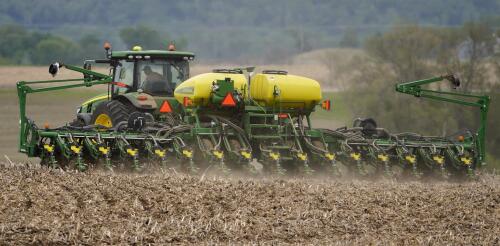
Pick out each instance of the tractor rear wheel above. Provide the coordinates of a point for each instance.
(110, 114)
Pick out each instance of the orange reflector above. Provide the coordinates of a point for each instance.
(326, 105)
(186, 102)
(165, 107)
(107, 45)
(120, 84)
(142, 98)
(460, 138)
(283, 116)
(46, 125)
(228, 100)
(171, 47)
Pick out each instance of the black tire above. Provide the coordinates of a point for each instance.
(369, 127)
(115, 110)
(77, 123)
(81, 120)
(368, 124)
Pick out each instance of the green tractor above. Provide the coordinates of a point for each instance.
(141, 82)
(140, 89)
(154, 113)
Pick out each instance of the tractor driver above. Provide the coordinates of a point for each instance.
(155, 83)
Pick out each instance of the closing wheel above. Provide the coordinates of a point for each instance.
(236, 146)
(202, 157)
(109, 114)
(319, 165)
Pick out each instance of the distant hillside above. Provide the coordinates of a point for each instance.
(240, 29)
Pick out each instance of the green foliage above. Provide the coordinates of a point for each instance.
(478, 47)
(301, 38)
(91, 46)
(20, 46)
(406, 49)
(278, 13)
(16, 43)
(143, 36)
(148, 38)
(56, 49)
(240, 29)
(350, 39)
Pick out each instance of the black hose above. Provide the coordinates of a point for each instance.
(235, 127)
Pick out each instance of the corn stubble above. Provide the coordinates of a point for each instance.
(39, 205)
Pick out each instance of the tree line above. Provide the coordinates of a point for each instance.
(241, 30)
(21, 46)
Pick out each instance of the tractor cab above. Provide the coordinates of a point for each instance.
(154, 72)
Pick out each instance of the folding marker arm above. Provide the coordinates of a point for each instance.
(480, 101)
(91, 78)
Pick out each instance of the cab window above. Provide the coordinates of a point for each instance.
(161, 77)
(124, 77)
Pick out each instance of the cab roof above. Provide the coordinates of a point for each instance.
(153, 53)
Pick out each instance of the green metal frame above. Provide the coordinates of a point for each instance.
(271, 128)
(481, 101)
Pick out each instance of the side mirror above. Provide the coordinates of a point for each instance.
(54, 68)
(87, 65)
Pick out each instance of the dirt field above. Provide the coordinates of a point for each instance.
(50, 206)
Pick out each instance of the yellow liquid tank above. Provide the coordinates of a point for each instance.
(271, 90)
(292, 91)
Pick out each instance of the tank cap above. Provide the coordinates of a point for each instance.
(226, 70)
(280, 72)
